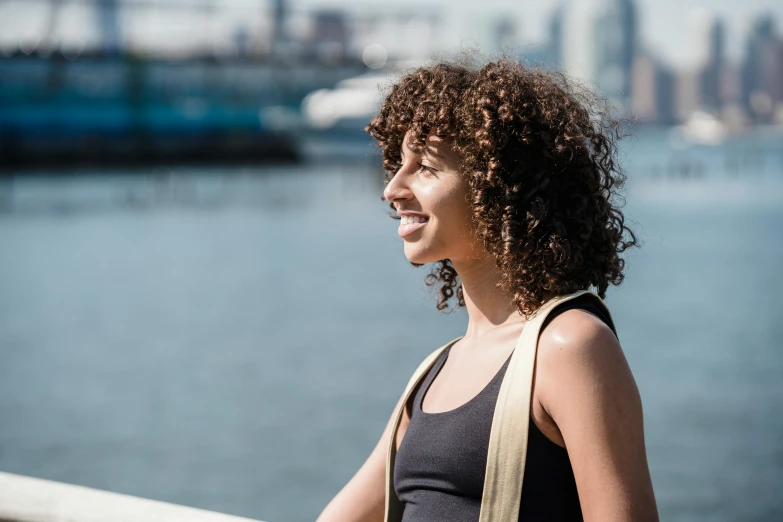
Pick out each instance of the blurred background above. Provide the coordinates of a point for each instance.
(203, 300)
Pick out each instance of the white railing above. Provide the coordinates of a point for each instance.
(28, 499)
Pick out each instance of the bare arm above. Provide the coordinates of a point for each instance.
(363, 498)
(590, 393)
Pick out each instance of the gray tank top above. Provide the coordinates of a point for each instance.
(440, 465)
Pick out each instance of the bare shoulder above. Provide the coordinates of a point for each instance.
(577, 341)
(574, 331)
(578, 356)
(576, 351)
(586, 387)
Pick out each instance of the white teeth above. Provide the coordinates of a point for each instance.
(409, 220)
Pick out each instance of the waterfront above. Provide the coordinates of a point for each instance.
(235, 339)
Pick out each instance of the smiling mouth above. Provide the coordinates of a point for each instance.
(410, 224)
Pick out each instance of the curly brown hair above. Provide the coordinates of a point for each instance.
(539, 155)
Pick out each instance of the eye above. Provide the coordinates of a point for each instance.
(426, 168)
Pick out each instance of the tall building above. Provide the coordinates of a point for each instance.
(242, 41)
(712, 37)
(599, 44)
(279, 34)
(653, 89)
(504, 34)
(555, 37)
(494, 32)
(109, 26)
(330, 37)
(762, 70)
(686, 93)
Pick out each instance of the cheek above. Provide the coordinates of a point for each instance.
(452, 210)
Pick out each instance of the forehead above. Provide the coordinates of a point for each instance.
(434, 144)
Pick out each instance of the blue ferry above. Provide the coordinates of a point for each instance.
(99, 110)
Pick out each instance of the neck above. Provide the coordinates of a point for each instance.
(487, 305)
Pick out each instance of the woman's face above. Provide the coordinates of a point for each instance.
(430, 196)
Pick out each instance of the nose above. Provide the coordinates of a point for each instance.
(397, 189)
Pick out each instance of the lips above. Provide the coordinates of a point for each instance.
(410, 224)
(407, 219)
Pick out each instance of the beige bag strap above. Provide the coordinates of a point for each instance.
(393, 504)
(508, 437)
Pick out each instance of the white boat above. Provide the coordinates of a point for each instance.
(702, 128)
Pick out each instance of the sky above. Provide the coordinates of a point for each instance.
(668, 27)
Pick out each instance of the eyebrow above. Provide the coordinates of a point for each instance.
(427, 150)
(433, 152)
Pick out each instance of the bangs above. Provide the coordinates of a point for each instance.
(427, 100)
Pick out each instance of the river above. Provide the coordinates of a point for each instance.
(235, 339)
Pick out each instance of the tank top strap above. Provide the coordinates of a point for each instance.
(427, 381)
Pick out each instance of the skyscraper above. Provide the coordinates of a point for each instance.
(762, 70)
(109, 26)
(279, 35)
(494, 31)
(331, 36)
(599, 44)
(555, 37)
(712, 36)
(653, 91)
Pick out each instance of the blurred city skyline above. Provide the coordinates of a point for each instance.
(669, 29)
(157, 79)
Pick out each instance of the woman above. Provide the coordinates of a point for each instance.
(504, 177)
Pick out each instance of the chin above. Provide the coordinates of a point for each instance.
(420, 254)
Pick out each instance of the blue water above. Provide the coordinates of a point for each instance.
(235, 339)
